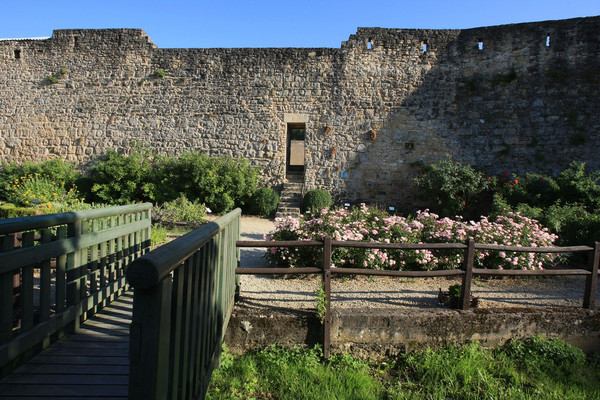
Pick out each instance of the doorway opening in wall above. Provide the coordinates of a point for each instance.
(296, 133)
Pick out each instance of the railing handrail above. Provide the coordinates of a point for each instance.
(154, 266)
(20, 224)
(183, 297)
(80, 259)
(412, 246)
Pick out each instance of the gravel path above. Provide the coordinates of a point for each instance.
(259, 291)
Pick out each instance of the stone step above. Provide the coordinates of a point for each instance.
(279, 214)
(292, 189)
(290, 196)
(290, 199)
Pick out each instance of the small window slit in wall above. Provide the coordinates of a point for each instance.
(425, 46)
(76, 41)
(370, 45)
(480, 45)
(547, 40)
(17, 54)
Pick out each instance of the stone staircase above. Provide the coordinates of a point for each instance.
(290, 200)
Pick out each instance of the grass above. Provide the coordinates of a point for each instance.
(534, 368)
(160, 235)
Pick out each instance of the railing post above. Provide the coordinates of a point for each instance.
(149, 342)
(591, 281)
(7, 243)
(327, 289)
(465, 300)
(74, 276)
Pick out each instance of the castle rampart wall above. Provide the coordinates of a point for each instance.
(521, 97)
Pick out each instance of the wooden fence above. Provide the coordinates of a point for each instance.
(183, 297)
(467, 270)
(57, 270)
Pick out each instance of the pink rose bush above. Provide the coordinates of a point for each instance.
(371, 225)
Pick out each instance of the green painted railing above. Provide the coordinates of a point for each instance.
(57, 270)
(183, 297)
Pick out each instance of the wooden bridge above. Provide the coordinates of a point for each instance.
(64, 292)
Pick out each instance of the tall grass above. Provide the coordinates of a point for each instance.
(534, 368)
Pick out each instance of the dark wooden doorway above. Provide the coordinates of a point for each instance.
(296, 134)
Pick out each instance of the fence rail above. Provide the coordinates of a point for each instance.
(57, 270)
(183, 298)
(467, 270)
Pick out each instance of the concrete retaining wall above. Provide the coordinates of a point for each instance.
(386, 332)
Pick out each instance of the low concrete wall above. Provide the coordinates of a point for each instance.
(386, 332)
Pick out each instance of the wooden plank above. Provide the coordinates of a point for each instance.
(9, 397)
(91, 336)
(279, 271)
(278, 243)
(70, 369)
(78, 360)
(66, 379)
(64, 390)
(519, 272)
(88, 344)
(100, 351)
(519, 249)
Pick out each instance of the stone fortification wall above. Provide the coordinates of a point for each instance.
(507, 98)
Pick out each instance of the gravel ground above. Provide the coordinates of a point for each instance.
(260, 291)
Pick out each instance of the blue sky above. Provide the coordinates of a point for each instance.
(258, 23)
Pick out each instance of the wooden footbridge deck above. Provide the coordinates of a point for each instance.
(90, 364)
(71, 327)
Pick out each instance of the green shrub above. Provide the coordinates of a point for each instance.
(121, 179)
(315, 200)
(37, 190)
(181, 210)
(219, 182)
(451, 189)
(573, 223)
(578, 186)
(8, 210)
(63, 172)
(553, 357)
(264, 202)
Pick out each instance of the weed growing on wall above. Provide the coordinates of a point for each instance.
(321, 302)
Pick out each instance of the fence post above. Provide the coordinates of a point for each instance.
(465, 300)
(591, 281)
(327, 289)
